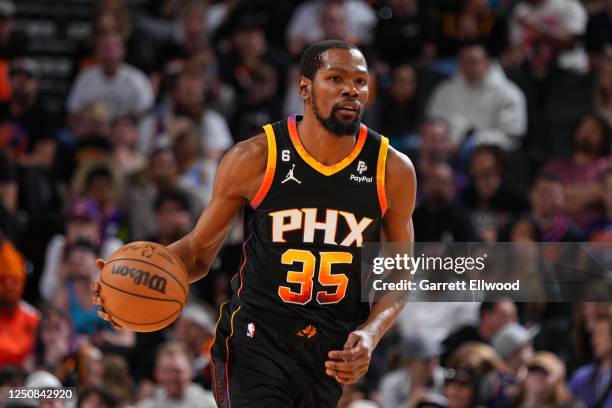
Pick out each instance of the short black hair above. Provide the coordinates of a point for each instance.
(96, 172)
(177, 196)
(310, 62)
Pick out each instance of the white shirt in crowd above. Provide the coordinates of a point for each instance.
(568, 16)
(196, 397)
(306, 21)
(495, 108)
(128, 92)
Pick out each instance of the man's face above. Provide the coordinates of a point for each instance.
(473, 64)
(439, 185)
(174, 374)
(547, 197)
(501, 315)
(173, 221)
(163, 169)
(404, 84)
(339, 91)
(23, 86)
(602, 339)
(435, 140)
(110, 51)
(333, 21)
(486, 173)
(589, 136)
(189, 94)
(250, 41)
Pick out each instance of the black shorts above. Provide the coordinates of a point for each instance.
(269, 361)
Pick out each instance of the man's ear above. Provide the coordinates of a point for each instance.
(304, 87)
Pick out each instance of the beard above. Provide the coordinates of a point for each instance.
(335, 125)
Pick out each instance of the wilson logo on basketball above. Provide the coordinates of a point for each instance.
(140, 277)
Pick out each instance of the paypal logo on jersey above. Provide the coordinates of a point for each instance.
(361, 167)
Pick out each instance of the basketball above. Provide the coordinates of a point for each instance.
(143, 286)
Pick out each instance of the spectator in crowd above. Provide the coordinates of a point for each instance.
(137, 202)
(419, 374)
(600, 230)
(493, 316)
(437, 218)
(26, 132)
(547, 199)
(435, 145)
(117, 379)
(603, 89)
(546, 34)
(544, 384)
(584, 317)
(123, 138)
(514, 344)
(79, 271)
(480, 104)
(56, 346)
(82, 223)
(123, 89)
(173, 218)
(305, 26)
(489, 197)
(581, 172)
(188, 108)
(476, 355)
(13, 44)
(173, 372)
(96, 396)
(432, 401)
(195, 329)
(592, 384)
(472, 20)
(18, 319)
(461, 388)
(397, 114)
(405, 33)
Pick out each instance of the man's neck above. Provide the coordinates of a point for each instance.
(110, 71)
(583, 159)
(323, 145)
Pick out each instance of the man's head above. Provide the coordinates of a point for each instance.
(334, 85)
(601, 338)
(473, 63)
(193, 19)
(439, 186)
(163, 169)
(334, 21)
(110, 51)
(513, 343)
(12, 275)
(173, 369)
(547, 196)
(7, 13)
(100, 185)
(80, 262)
(248, 34)
(495, 315)
(24, 74)
(173, 216)
(403, 84)
(592, 136)
(486, 170)
(420, 356)
(188, 95)
(435, 140)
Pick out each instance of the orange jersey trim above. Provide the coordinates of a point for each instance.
(214, 367)
(228, 354)
(270, 168)
(314, 163)
(380, 174)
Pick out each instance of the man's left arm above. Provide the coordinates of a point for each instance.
(350, 364)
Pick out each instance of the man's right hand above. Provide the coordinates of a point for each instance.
(97, 300)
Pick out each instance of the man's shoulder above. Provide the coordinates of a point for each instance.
(582, 375)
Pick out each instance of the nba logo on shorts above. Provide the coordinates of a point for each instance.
(361, 167)
(251, 330)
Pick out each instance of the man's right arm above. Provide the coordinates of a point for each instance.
(238, 178)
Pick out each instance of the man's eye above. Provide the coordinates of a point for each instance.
(361, 81)
(335, 78)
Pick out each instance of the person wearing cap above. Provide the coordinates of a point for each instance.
(514, 344)
(18, 320)
(419, 373)
(26, 131)
(195, 328)
(544, 385)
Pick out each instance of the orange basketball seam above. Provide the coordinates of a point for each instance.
(139, 295)
(152, 264)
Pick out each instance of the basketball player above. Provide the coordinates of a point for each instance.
(316, 188)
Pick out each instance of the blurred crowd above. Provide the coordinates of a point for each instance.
(504, 107)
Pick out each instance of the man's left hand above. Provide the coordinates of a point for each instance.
(350, 364)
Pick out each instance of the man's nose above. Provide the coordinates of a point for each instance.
(350, 89)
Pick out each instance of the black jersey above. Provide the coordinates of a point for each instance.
(305, 227)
